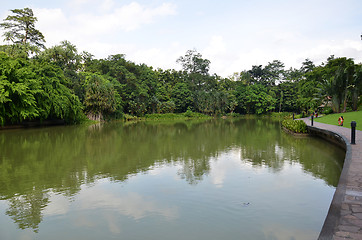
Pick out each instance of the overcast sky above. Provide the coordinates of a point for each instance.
(232, 34)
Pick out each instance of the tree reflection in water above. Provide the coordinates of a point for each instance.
(37, 162)
(26, 210)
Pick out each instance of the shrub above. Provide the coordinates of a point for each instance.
(327, 110)
(188, 113)
(281, 115)
(297, 126)
(128, 117)
(233, 114)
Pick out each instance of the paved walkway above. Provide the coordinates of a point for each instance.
(345, 214)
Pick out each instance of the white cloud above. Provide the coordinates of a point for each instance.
(54, 25)
(342, 48)
(216, 47)
(107, 5)
(132, 16)
(164, 58)
(86, 27)
(238, 36)
(216, 52)
(127, 18)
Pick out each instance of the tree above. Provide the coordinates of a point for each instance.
(64, 55)
(255, 99)
(274, 72)
(32, 90)
(287, 96)
(20, 28)
(338, 80)
(269, 75)
(356, 87)
(181, 96)
(67, 58)
(101, 99)
(256, 73)
(17, 90)
(193, 62)
(311, 92)
(307, 66)
(55, 100)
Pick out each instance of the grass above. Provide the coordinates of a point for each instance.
(332, 119)
(175, 116)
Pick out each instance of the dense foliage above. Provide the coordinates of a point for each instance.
(61, 83)
(297, 126)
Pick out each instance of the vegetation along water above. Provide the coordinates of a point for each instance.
(209, 179)
(39, 83)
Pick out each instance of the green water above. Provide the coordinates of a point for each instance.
(218, 179)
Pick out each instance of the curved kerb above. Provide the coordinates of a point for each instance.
(334, 212)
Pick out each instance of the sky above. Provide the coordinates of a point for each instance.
(233, 34)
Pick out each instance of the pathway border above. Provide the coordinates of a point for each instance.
(344, 218)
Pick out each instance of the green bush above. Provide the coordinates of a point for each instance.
(327, 110)
(128, 117)
(281, 115)
(297, 126)
(173, 116)
(233, 114)
(188, 113)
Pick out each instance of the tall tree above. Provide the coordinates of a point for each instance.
(339, 79)
(20, 28)
(101, 99)
(307, 66)
(256, 73)
(274, 72)
(32, 90)
(197, 71)
(193, 62)
(356, 87)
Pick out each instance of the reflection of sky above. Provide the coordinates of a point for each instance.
(106, 203)
(131, 204)
(281, 205)
(58, 205)
(226, 161)
(277, 231)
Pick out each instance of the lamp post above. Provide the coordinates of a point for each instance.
(353, 132)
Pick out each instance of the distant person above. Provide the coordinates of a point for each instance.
(340, 121)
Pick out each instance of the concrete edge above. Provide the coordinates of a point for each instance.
(334, 212)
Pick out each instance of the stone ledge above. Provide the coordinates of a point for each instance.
(329, 229)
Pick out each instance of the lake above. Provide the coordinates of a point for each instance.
(213, 179)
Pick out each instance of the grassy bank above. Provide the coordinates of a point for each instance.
(168, 116)
(332, 119)
(174, 116)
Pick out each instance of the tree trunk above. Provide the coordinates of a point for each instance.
(95, 117)
(345, 102)
(354, 100)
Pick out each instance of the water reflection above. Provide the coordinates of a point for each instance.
(43, 170)
(131, 204)
(26, 209)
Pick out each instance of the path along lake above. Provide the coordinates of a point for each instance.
(214, 179)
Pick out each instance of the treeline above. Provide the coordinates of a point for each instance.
(60, 83)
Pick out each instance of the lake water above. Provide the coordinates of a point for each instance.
(216, 179)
